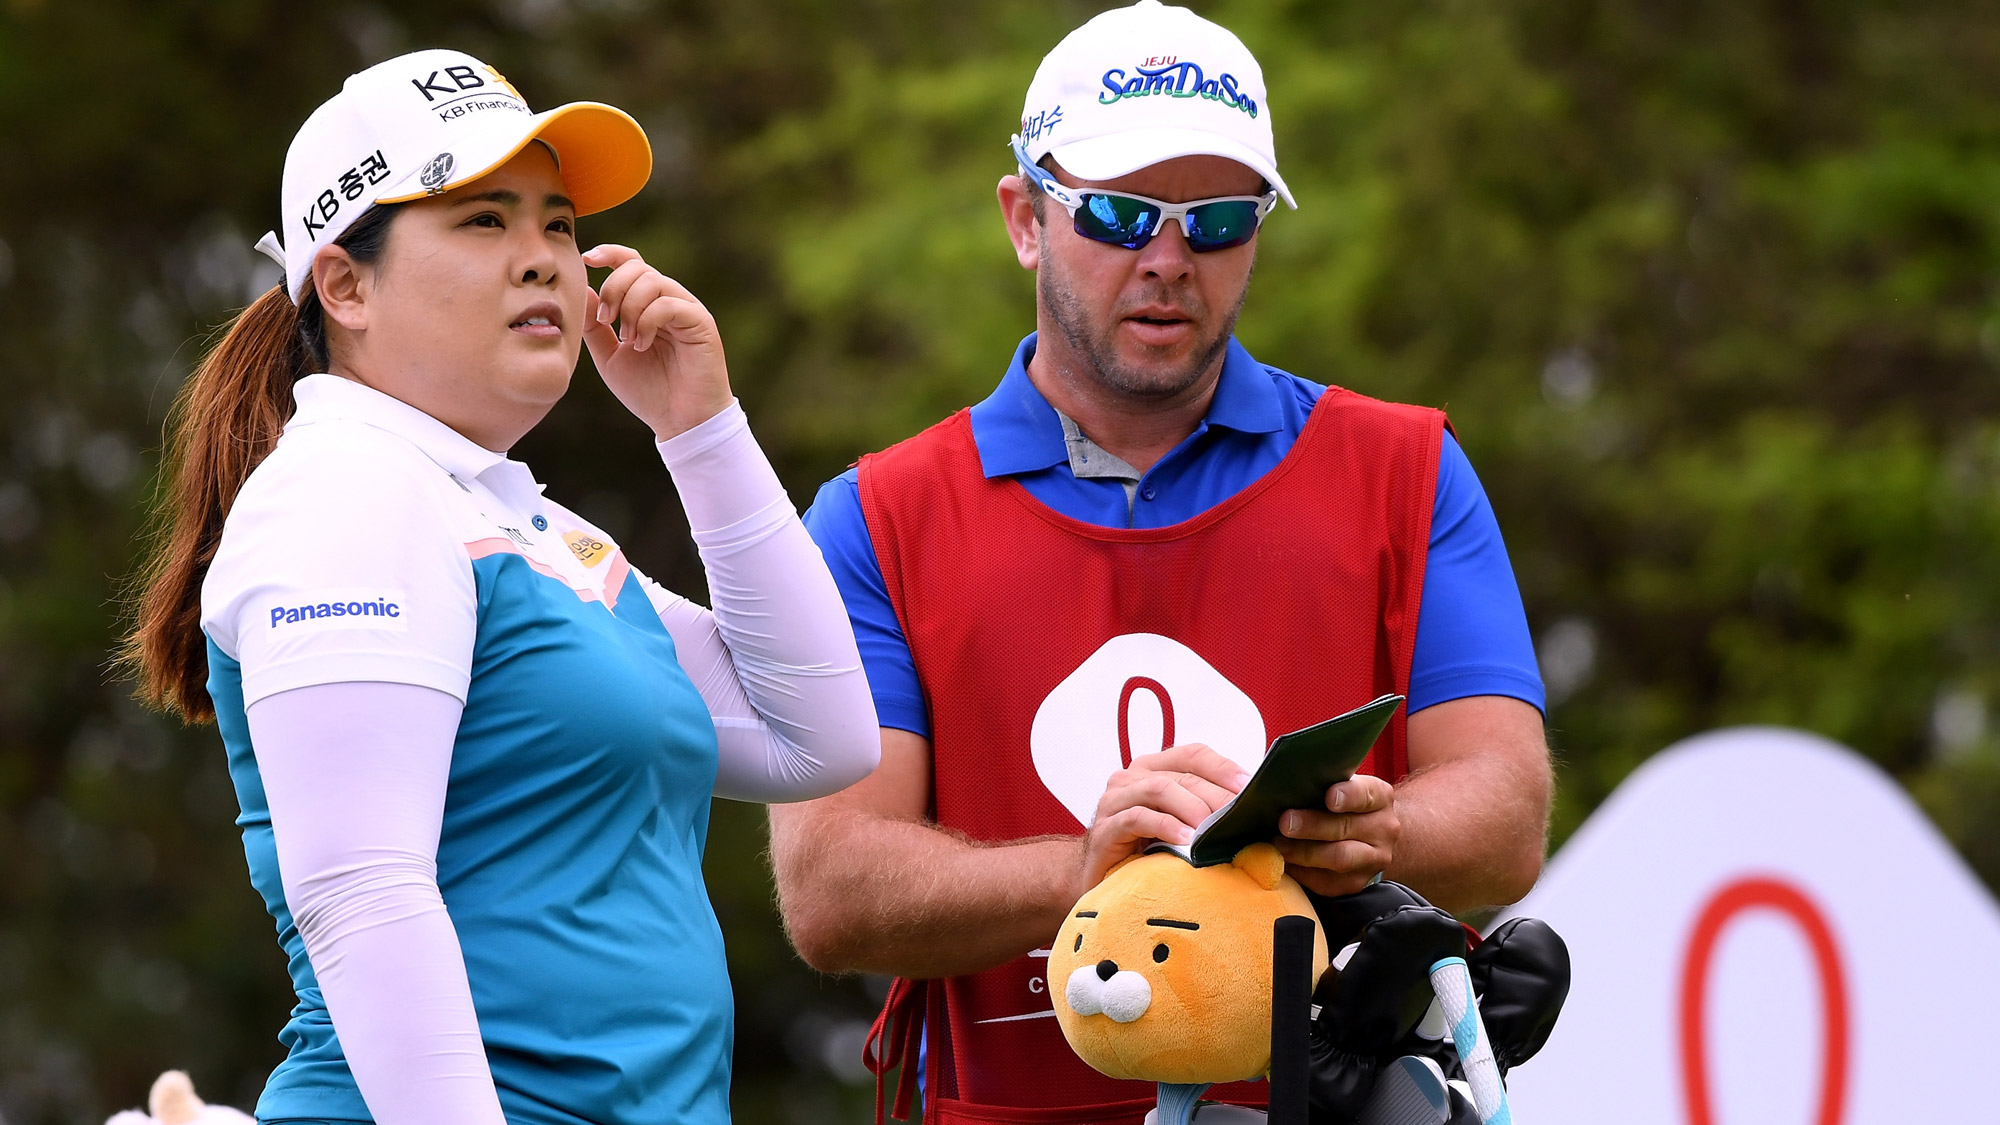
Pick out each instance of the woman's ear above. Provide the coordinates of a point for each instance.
(344, 286)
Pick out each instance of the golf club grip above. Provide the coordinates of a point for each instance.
(1452, 982)
(1291, 1016)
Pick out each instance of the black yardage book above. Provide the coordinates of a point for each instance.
(1295, 774)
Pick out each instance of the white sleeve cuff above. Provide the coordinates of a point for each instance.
(725, 482)
(776, 660)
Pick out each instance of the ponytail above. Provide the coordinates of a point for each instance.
(223, 424)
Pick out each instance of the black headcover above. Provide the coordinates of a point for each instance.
(1375, 1001)
(1369, 1011)
(1341, 918)
(1521, 975)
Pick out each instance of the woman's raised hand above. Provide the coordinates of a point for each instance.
(664, 360)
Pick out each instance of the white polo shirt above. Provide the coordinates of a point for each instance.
(377, 544)
(348, 553)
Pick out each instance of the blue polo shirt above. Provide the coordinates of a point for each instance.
(1472, 635)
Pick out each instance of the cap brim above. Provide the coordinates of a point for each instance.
(602, 154)
(1123, 153)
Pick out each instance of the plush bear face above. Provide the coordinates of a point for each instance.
(1162, 972)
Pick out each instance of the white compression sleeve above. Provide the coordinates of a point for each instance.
(776, 660)
(355, 777)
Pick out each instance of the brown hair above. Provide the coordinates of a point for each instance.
(223, 423)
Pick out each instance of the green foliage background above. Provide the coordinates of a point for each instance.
(1710, 287)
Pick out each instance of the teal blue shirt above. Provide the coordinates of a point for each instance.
(577, 805)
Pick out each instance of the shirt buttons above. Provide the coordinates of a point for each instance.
(542, 522)
(1148, 492)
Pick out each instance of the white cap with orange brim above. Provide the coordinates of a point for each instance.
(427, 122)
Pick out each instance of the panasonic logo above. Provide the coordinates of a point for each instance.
(292, 615)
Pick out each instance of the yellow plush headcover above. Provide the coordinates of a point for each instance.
(1162, 972)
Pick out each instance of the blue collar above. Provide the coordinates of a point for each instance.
(1017, 431)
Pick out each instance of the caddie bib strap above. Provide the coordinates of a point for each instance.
(1053, 651)
(894, 1043)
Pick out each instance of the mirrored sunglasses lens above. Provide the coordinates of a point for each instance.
(1218, 226)
(1117, 220)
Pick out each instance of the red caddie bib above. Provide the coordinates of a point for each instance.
(1051, 651)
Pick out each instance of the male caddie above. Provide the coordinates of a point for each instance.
(1088, 603)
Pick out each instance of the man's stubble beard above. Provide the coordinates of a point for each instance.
(1101, 353)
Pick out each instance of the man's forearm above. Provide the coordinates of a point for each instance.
(1473, 831)
(862, 892)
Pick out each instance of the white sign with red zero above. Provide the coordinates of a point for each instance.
(1765, 930)
(1139, 693)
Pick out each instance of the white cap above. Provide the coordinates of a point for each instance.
(424, 123)
(1139, 85)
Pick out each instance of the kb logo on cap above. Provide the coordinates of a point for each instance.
(436, 173)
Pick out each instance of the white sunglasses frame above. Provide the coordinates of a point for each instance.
(1169, 212)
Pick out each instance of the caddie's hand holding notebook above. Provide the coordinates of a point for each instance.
(1295, 774)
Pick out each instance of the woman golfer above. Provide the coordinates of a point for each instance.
(473, 747)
